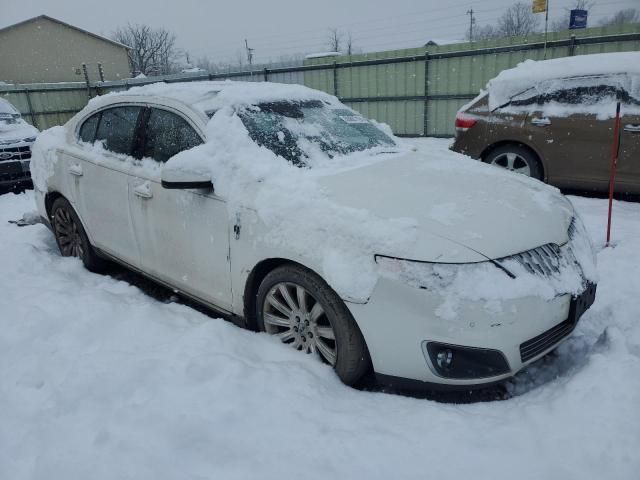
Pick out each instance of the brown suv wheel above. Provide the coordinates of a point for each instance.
(516, 158)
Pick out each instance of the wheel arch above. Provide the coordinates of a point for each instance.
(519, 143)
(49, 199)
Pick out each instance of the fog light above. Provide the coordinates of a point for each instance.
(444, 359)
(469, 363)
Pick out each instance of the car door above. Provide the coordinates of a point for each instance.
(628, 168)
(99, 179)
(572, 132)
(183, 235)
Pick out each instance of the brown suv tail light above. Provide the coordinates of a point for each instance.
(464, 123)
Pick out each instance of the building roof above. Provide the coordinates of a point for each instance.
(60, 22)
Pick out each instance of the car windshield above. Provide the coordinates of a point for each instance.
(301, 131)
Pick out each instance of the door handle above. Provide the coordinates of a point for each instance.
(143, 190)
(540, 122)
(76, 169)
(633, 128)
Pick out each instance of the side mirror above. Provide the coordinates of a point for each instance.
(180, 178)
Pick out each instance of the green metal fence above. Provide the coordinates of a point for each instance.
(416, 91)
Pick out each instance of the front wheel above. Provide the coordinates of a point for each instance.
(516, 158)
(298, 307)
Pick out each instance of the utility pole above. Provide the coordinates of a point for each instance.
(249, 55)
(546, 29)
(472, 20)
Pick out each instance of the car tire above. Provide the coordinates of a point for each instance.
(71, 237)
(516, 158)
(296, 305)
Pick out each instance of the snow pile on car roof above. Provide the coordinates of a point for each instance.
(214, 95)
(528, 73)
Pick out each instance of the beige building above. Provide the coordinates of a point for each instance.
(43, 49)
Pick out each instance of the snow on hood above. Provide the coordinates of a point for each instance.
(16, 131)
(458, 199)
(526, 74)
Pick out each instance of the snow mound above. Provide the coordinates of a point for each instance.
(100, 381)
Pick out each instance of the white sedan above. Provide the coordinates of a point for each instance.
(280, 206)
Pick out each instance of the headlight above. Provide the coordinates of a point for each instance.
(29, 139)
(582, 248)
(435, 276)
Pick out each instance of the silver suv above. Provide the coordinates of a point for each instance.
(16, 138)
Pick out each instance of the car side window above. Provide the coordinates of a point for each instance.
(117, 127)
(168, 134)
(88, 129)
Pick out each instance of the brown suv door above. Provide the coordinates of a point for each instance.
(628, 169)
(575, 145)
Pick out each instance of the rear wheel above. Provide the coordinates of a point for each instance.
(516, 158)
(297, 306)
(70, 236)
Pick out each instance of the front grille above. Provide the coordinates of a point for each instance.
(537, 345)
(15, 153)
(548, 261)
(544, 260)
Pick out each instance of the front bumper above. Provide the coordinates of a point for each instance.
(15, 161)
(400, 320)
(14, 172)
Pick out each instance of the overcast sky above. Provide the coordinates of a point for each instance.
(217, 29)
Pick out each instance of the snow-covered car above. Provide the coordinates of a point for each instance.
(280, 206)
(553, 120)
(16, 138)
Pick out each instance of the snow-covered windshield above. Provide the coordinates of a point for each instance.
(299, 131)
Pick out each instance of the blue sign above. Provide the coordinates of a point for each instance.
(578, 19)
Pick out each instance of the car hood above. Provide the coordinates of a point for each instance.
(16, 131)
(466, 211)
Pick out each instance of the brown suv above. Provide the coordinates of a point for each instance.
(558, 130)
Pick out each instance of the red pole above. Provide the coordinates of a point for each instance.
(615, 146)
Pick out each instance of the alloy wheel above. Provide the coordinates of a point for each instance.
(512, 162)
(291, 313)
(68, 234)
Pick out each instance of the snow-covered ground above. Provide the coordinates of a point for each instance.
(99, 380)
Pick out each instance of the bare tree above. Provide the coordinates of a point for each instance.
(152, 50)
(517, 20)
(349, 44)
(334, 40)
(484, 32)
(628, 15)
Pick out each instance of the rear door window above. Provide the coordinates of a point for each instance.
(167, 134)
(117, 127)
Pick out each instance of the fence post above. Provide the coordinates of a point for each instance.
(335, 79)
(34, 122)
(86, 79)
(101, 72)
(426, 94)
(572, 45)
